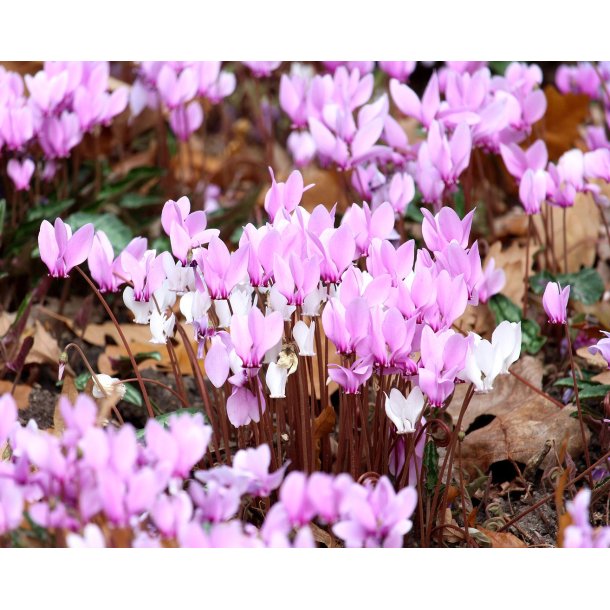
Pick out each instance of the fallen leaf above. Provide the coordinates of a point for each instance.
(324, 537)
(518, 434)
(97, 334)
(476, 319)
(508, 390)
(118, 351)
(325, 422)
(45, 349)
(330, 188)
(6, 320)
(603, 378)
(511, 224)
(560, 124)
(21, 393)
(594, 360)
(512, 261)
(68, 390)
(503, 540)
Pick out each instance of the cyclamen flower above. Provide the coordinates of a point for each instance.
(440, 230)
(21, 173)
(110, 387)
(302, 147)
(185, 229)
(443, 356)
(580, 534)
(284, 195)
(602, 347)
(105, 269)
(254, 334)
(8, 416)
(376, 517)
(532, 190)
(404, 412)
(262, 68)
(486, 360)
(60, 250)
(518, 161)
(350, 379)
(400, 70)
(555, 302)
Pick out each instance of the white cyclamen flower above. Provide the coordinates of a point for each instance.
(304, 337)
(111, 387)
(276, 378)
(404, 412)
(161, 327)
(486, 360)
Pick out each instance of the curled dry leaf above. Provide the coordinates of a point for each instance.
(523, 421)
(520, 432)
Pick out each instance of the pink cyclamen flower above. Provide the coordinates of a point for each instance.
(581, 534)
(21, 173)
(254, 334)
(532, 190)
(60, 250)
(302, 147)
(555, 302)
(440, 230)
(518, 161)
(400, 70)
(186, 119)
(350, 379)
(8, 416)
(284, 195)
(262, 68)
(376, 517)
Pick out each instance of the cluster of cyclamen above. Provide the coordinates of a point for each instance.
(335, 120)
(92, 474)
(66, 100)
(177, 86)
(297, 268)
(557, 184)
(588, 79)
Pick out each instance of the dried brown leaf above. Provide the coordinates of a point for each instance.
(560, 124)
(512, 261)
(507, 392)
(520, 432)
(21, 393)
(45, 349)
(503, 540)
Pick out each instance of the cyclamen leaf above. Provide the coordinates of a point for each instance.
(116, 230)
